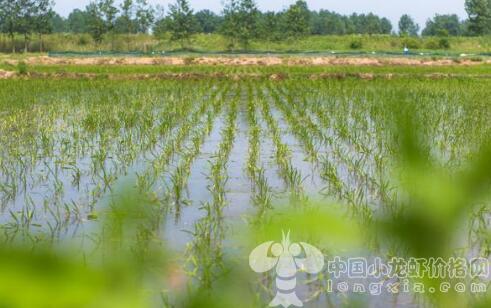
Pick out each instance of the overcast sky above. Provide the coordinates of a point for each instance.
(421, 10)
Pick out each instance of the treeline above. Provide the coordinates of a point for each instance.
(240, 21)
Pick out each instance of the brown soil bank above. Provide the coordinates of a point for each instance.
(244, 60)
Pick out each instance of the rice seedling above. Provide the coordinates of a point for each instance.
(290, 175)
(262, 192)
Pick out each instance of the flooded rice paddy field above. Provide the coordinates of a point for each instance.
(207, 158)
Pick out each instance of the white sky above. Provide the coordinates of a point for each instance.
(421, 10)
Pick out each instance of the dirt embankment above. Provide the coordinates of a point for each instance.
(7, 74)
(252, 60)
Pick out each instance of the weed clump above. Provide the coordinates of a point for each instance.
(356, 44)
(411, 43)
(22, 68)
(442, 43)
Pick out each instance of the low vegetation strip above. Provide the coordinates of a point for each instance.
(236, 77)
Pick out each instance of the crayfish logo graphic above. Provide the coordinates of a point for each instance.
(288, 258)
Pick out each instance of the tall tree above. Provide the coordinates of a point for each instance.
(247, 23)
(181, 22)
(240, 22)
(270, 26)
(443, 25)
(407, 26)
(208, 22)
(43, 19)
(10, 15)
(109, 12)
(126, 18)
(125, 21)
(28, 10)
(479, 12)
(145, 16)
(78, 21)
(385, 26)
(231, 24)
(160, 27)
(298, 19)
(59, 24)
(95, 21)
(327, 23)
(372, 24)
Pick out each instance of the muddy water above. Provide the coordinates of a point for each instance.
(239, 186)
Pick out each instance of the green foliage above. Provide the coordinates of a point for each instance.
(59, 24)
(325, 22)
(79, 21)
(96, 25)
(270, 25)
(9, 19)
(297, 19)
(205, 43)
(479, 12)
(411, 43)
(182, 23)
(26, 17)
(407, 26)
(444, 43)
(440, 43)
(22, 68)
(109, 12)
(444, 25)
(144, 16)
(101, 17)
(208, 21)
(432, 44)
(83, 40)
(240, 22)
(125, 22)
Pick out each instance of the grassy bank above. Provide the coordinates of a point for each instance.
(216, 43)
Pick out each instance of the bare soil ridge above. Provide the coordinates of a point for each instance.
(259, 61)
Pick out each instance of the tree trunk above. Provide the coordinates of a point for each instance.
(26, 47)
(40, 43)
(12, 37)
(112, 41)
(128, 41)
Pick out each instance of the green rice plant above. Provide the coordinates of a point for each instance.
(262, 193)
(218, 175)
(290, 175)
(254, 134)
